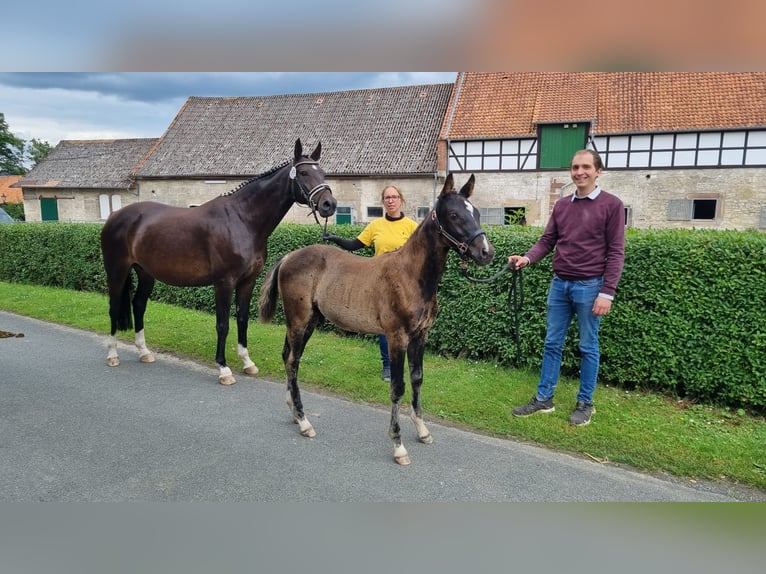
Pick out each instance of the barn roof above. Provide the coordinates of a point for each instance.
(105, 164)
(377, 131)
(513, 104)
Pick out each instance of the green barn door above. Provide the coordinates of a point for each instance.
(559, 142)
(49, 208)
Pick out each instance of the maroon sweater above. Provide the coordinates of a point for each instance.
(589, 237)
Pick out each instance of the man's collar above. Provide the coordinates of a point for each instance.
(592, 195)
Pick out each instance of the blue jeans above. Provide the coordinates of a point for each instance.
(383, 342)
(565, 300)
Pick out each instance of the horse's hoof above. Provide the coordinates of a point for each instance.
(310, 433)
(113, 361)
(148, 358)
(428, 439)
(227, 380)
(252, 370)
(402, 460)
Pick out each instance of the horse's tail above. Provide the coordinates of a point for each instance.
(123, 316)
(267, 305)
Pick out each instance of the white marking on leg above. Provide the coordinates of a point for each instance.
(400, 455)
(112, 358)
(225, 377)
(249, 366)
(420, 427)
(144, 354)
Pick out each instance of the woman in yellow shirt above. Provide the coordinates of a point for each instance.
(385, 234)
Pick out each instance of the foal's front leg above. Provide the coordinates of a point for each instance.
(397, 391)
(415, 359)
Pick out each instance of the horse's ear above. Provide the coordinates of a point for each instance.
(298, 149)
(317, 152)
(449, 185)
(467, 189)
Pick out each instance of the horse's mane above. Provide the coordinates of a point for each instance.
(256, 177)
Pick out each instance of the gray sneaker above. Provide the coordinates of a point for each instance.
(581, 415)
(534, 406)
(386, 376)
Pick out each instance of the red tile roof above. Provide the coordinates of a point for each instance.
(12, 195)
(511, 104)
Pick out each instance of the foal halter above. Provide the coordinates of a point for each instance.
(461, 247)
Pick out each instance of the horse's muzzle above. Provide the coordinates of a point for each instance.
(326, 203)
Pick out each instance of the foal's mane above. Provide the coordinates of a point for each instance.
(255, 177)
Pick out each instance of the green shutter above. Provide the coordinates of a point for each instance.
(559, 142)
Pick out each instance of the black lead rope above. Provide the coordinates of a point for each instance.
(515, 299)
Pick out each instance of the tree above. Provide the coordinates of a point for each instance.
(37, 150)
(11, 151)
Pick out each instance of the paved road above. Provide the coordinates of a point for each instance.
(73, 429)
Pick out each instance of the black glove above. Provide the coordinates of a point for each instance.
(328, 237)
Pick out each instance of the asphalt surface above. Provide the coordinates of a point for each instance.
(73, 429)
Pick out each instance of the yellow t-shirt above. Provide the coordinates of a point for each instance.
(387, 235)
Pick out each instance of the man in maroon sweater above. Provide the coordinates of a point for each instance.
(587, 230)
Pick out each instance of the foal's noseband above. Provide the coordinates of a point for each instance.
(461, 247)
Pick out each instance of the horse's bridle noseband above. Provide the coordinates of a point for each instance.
(308, 196)
(461, 247)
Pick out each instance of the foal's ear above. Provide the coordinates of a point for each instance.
(317, 152)
(449, 185)
(467, 189)
(298, 149)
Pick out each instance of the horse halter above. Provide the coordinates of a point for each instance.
(461, 247)
(308, 196)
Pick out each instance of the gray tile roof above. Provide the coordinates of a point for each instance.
(102, 164)
(377, 131)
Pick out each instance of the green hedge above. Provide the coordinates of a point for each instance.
(689, 318)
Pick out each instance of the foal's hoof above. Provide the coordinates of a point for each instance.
(306, 429)
(428, 439)
(252, 370)
(227, 380)
(112, 361)
(148, 358)
(402, 460)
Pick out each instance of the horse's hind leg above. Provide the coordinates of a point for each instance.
(415, 360)
(243, 295)
(119, 286)
(143, 290)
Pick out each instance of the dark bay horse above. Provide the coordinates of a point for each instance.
(221, 243)
(393, 293)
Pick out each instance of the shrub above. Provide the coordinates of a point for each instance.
(689, 319)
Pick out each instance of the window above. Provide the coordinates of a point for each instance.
(492, 215)
(515, 216)
(374, 212)
(493, 155)
(107, 204)
(423, 212)
(698, 149)
(343, 215)
(694, 209)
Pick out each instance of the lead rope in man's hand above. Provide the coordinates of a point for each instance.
(515, 298)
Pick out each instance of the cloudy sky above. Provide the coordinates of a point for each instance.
(55, 106)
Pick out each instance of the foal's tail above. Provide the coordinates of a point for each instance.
(267, 305)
